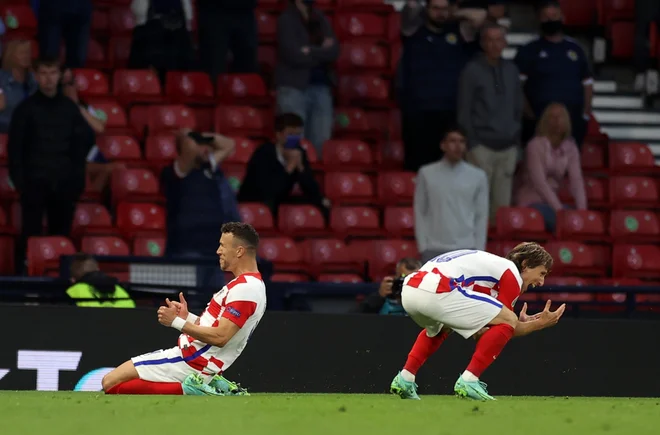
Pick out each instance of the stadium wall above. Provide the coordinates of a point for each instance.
(65, 348)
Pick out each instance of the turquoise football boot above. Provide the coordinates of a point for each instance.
(227, 387)
(403, 388)
(473, 390)
(194, 385)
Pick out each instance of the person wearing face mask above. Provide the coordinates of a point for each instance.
(555, 68)
(275, 168)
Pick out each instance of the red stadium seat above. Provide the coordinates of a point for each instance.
(309, 150)
(395, 123)
(266, 26)
(579, 14)
(355, 221)
(97, 56)
(346, 155)
(364, 91)
(364, 5)
(520, 223)
(391, 155)
(399, 221)
(140, 219)
(119, 148)
(622, 39)
(573, 258)
(611, 10)
(116, 121)
(258, 215)
(248, 89)
(619, 282)
(19, 20)
(105, 246)
(501, 247)
(581, 225)
(635, 192)
(119, 51)
(353, 123)
(348, 187)
(160, 151)
(283, 253)
(572, 298)
(243, 151)
(635, 226)
(396, 187)
(43, 254)
(289, 277)
(121, 21)
(340, 278)
(301, 220)
(631, 158)
(189, 87)
(384, 254)
(100, 23)
(91, 219)
(142, 86)
(636, 261)
(138, 118)
(135, 185)
(267, 57)
(329, 255)
(240, 121)
(163, 118)
(595, 188)
(351, 26)
(3, 147)
(7, 262)
(91, 83)
(563, 281)
(7, 190)
(149, 246)
(359, 56)
(593, 158)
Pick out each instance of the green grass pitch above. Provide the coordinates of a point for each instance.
(68, 413)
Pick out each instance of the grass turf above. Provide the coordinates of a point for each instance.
(25, 413)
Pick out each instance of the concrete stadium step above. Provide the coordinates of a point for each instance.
(606, 117)
(633, 133)
(617, 101)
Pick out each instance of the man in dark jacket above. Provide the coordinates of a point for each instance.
(47, 146)
(386, 300)
(275, 168)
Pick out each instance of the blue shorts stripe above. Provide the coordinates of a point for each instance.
(156, 362)
(479, 298)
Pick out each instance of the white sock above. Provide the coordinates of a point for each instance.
(469, 377)
(407, 376)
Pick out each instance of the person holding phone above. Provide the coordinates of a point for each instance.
(275, 168)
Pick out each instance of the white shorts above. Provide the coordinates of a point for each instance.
(165, 365)
(464, 311)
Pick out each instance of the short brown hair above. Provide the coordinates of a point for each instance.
(245, 232)
(82, 264)
(47, 61)
(532, 254)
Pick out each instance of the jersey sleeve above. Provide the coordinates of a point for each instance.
(509, 289)
(241, 304)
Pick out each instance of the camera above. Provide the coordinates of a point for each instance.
(397, 287)
(200, 138)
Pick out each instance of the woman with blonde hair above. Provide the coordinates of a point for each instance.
(550, 157)
(16, 79)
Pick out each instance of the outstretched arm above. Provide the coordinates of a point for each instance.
(545, 319)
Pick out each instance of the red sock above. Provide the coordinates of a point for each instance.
(138, 386)
(489, 347)
(423, 348)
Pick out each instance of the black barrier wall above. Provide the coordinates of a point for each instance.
(311, 353)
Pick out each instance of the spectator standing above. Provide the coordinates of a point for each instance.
(549, 158)
(433, 57)
(646, 12)
(48, 142)
(307, 47)
(490, 103)
(16, 80)
(71, 19)
(227, 26)
(275, 168)
(384, 301)
(451, 202)
(555, 68)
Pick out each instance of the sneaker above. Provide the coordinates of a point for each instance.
(194, 385)
(473, 390)
(403, 388)
(227, 387)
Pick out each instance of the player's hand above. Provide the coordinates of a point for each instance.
(550, 318)
(524, 317)
(385, 288)
(166, 315)
(181, 307)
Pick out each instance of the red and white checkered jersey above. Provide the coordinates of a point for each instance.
(243, 301)
(478, 271)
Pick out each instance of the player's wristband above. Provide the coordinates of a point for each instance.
(191, 318)
(178, 323)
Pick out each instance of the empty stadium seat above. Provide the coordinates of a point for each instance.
(563, 281)
(382, 256)
(573, 258)
(136, 86)
(364, 5)
(351, 122)
(7, 190)
(248, 89)
(636, 261)
(340, 278)
(100, 23)
(348, 187)
(243, 151)
(243, 121)
(622, 39)
(119, 51)
(355, 221)
(634, 192)
(3, 147)
(289, 277)
(364, 91)
(105, 246)
(91, 83)
(611, 10)
(119, 148)
(140, 219)
(396, 187)
(581, 14)
(97, 56)
(631, 158)
(135, 185)
(283, 253)
(189, 87)
(258, 215)
(7, 263)
(121, 21)
(399, 221)
(267, 58)
(329, 255)
(358, 56)
(593, 158)
(149, 246)
(115, 116)
(520, 223)
(501, 247)
(91, 219)
(300, 220)
(366, 26)
(581, 225)
(19, 20)
(164, 118)
(634, 226)
(347, 154)
(266, 26)
(391, 155)
(43, 254)
(160, 151)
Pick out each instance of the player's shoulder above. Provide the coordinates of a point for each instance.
(249, 286)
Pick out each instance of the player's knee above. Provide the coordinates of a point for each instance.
(509, 317)
(108, 382)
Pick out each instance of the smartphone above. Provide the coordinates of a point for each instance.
(200, 138)
(292, 142)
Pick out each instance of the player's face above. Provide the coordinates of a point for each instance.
(534, 277)
(226, 251)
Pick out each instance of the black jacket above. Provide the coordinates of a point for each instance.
(48, 141)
